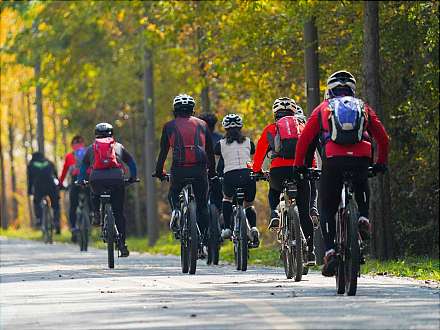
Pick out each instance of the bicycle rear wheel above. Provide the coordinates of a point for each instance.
(214, 237)
(285, 251)
(193, 238)
(84, 226)
(296, 249)
(341, 243)
(110, 235)
(352, 262)
(243, 248)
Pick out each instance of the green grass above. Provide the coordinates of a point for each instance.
(421, 268)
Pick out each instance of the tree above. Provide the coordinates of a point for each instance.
(380, 192)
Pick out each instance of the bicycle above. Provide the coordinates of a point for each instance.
(47, 221)
(349, 244)
(293, 244)
(83, 219)
(189, 233)
(213, 235)
(241, 233)
(109, 230)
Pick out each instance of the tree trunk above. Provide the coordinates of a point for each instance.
(380, 204)
(39, 107)
(311, 68)
(30, 126)
(27, 145)
(201, 61)
(3, 207)
(149, 142)
(55, 136)
(137, 205)
(11, 138)
(311, 62)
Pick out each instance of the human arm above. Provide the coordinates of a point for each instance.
(261, 151)
(308, 135)
(69, 160)
(252, 148)
(210, 154)
(164, 148)
(379, 134)
(85, 164)
(128, 159)
(30, 178)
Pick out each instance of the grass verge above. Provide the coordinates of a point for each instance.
(421, 268)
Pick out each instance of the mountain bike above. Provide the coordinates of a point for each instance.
(109, 230)
(83, 219)
(213, 235)
(349, 244)
(293, 244)
(47, 221)
(241, 234)
(189, 233)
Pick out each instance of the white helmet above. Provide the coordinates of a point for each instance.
(284, 104)
(232, 120)
(183, 102)
(299, 114)
(340, 79)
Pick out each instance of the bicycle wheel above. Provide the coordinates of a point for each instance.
(84, 231)
(285, 251)
(236, 238)
(243, 248)
(110, 235)
(352, 259)
(214, 237)
(193, 238)
(296, 249)
(340, 237)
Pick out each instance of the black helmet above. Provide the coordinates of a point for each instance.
(340, 83)
(209, 118)
(103, 130)
(183, 103)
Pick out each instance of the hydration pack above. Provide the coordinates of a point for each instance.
(347, 120)
(105, 154)
(286, 137)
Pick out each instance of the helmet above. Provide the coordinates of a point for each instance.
(184, 102)
(283, 104)
(340, 81)
(103, 130)
(299, 114)
(209, 118)
(232, 120)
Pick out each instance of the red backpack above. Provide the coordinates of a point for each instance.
(105, 154)
(287, 133)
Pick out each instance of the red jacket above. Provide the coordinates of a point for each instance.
(362, 149)
(263, 147)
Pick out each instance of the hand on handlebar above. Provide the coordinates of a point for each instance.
(161, 176)
(133, 180)
(379, 168)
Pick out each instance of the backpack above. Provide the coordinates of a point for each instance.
(105, 154)
(188, 138)
(347, 120)
(79, 156)
(286, 136)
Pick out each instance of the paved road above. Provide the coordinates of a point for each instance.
(57, 287)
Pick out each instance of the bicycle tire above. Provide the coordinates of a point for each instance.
(48, 225)
(214, 236)
(286, 256)
(243, 249)
(110, 235)
(352, 262)
(340, 269)
(84, 231)
(44, 225)
(296, 250)
(193, 238)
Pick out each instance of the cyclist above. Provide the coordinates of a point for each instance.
(280, 138)
(72, 163)
(106, 157)
(42, 177)
(216, 187)
(236, 150)
(193, 155)
(341, 109)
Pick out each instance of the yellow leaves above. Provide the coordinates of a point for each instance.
(43, 26)
(152, 27)
(143, 21)
(121, 15)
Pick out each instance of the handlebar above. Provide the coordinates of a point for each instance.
(165, 177)
(127, 182)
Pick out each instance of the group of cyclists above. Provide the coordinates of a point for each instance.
(340, 130)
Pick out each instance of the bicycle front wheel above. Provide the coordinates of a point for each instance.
(214, 237)
(296, 249)
(193, 238)
(341, 232)
(352, 264)
(110, 235)
(84, 226)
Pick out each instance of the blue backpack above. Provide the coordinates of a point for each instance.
(347, 121)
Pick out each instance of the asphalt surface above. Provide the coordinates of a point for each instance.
(57, 287)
